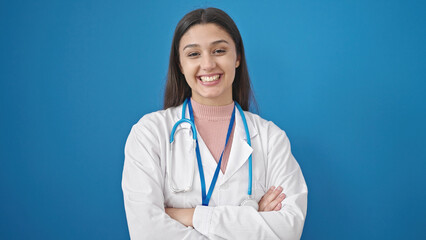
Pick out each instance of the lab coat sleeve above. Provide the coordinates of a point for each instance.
(142, 185)
(244, 222)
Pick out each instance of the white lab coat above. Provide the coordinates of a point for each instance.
(146, 182)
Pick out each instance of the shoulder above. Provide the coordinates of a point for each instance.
(270, 135)
(157, 120)
(152, 130)
(263, 125)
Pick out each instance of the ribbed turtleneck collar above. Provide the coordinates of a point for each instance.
(212, 113)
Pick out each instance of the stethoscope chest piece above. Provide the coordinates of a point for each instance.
(181, 161)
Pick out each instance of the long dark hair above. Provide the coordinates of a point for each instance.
(177, 90)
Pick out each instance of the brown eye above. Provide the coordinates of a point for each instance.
(193, 54)
(219, 51)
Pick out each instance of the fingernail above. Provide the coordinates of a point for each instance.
(272, 188)
(279, 188)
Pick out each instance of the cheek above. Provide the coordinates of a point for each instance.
(188, 74)
(230, 66)
(186, 68)
(182, 66)
(231, 62)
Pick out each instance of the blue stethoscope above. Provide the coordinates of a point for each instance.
(206, 197)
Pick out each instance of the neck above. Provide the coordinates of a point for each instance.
(212, 113)
(212, 101)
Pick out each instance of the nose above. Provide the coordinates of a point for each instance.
(207, 63)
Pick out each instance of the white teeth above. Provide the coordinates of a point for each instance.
(209, 79)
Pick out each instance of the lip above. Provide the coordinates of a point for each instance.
(209, 75)
(212, 83)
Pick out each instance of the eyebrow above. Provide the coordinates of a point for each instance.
(197, 45)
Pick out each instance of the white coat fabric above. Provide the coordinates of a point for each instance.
(147, 191)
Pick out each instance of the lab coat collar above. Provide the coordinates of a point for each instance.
(240, 150)
(239, 125)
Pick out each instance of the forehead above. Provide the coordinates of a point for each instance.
(204, 34)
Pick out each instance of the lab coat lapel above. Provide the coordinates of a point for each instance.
(209, 163)
(240, 150)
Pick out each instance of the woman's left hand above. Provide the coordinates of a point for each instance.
(272, 199)
(182, 215)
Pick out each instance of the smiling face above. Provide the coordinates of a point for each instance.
(208, 59)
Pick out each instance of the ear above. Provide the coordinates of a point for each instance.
(237, 63)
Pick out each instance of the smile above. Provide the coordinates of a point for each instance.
(210, 78)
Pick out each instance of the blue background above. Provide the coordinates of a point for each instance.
(345, 79)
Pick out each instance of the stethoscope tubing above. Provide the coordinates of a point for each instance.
(250, 183)
(194, 136)
(194, 130)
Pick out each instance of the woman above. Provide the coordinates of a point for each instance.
(238, 183)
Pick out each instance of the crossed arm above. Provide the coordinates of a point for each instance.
(148, 219)
(271, 201)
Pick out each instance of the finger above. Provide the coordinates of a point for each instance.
(270, 190)
(278, 207)
(270, 196)
(274, 194)
(271, 206)
(275, 202)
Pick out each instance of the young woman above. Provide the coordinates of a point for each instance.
(203, 168)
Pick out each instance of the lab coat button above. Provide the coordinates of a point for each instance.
(224, 186)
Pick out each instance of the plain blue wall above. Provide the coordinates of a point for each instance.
(345, 79)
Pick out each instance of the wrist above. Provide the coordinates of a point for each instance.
(190, 216)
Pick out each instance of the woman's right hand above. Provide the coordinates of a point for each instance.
(271, 201)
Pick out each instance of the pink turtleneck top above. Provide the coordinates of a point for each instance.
(212, 124)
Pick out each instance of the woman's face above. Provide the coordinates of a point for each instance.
(208, 59)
